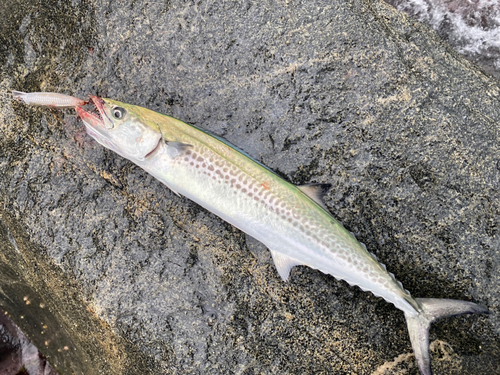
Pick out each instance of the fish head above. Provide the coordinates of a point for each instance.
(121, 128)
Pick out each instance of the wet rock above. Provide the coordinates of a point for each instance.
(17, 354)
(10, 355)
(472, 27)
(353, 93)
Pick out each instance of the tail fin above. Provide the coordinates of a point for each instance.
(432, 310)
(18, 94)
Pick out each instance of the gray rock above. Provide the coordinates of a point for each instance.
(136, 280)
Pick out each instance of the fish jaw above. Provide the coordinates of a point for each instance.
(93, 120)
(95, 123)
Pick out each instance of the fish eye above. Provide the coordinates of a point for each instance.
(118, 112)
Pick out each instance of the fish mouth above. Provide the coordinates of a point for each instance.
(94, 122)
(93, 119)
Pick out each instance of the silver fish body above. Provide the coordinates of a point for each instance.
(296, 229)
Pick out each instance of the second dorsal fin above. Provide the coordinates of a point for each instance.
(316, 192)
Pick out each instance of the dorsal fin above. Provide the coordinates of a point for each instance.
(316, 192)
(283, 264)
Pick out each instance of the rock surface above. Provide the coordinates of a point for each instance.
(137, 280)
(472, 27)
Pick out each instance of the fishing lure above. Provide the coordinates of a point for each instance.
(49, 99)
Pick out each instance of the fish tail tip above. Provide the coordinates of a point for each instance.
(479, 309)
(432, 310)
(436, 308)
(17, 94)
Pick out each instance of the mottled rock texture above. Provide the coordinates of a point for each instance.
(137, 280)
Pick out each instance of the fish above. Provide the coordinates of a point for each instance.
(290, 220)
(48, 99)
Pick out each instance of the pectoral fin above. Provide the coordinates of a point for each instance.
(176, 149)
(283, 264)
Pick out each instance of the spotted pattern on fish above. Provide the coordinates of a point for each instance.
(256, 190)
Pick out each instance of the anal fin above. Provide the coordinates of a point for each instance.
(284, 264)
